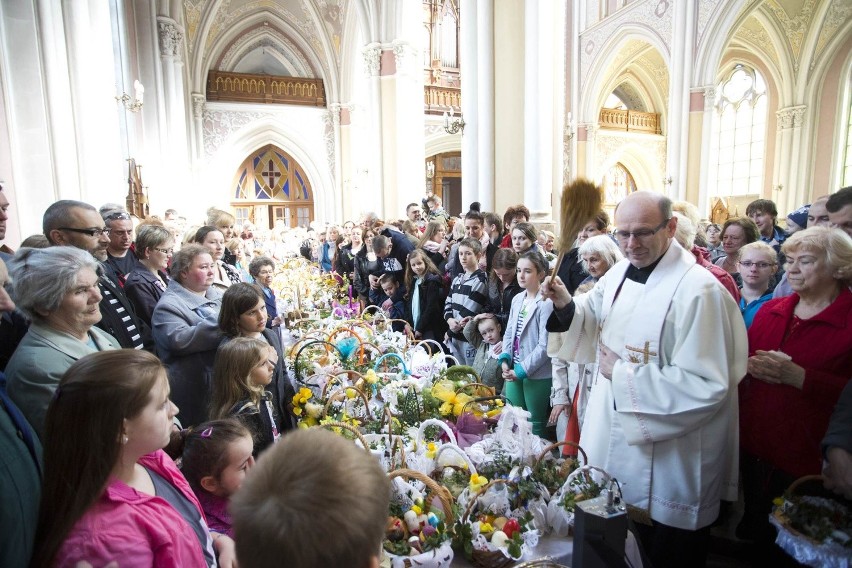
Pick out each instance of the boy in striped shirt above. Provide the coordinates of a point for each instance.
(467, 298)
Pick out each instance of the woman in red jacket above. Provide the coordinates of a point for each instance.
(800, 358)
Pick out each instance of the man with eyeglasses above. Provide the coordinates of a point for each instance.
(671, 348)
(78, 224)
(119, 256)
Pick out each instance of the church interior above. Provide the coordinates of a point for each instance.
(318, 110)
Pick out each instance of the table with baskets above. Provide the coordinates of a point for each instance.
(472, 485)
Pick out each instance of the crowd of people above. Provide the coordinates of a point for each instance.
(688, 359)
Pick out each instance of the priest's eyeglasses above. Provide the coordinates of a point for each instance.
(640, 234)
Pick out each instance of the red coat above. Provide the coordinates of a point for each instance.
(702, 258)
(780, 423)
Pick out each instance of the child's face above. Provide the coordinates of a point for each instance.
(261, 374)
(240, 461)
(468, 259)
(506, 275)
(520, 241)
(490, 332)
(389, 288)
(418, 266)
(528, 276)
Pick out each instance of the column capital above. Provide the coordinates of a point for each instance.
(199, 101)
(709, 97)
(372, 58)
(171, 37)
(791, 117)
(405, 56)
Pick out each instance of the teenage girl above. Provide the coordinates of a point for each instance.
(244, 367)
(424, 299)
(216, 457)
(502, 285)
(526, 366)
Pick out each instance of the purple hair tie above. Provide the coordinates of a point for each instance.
(207, 432)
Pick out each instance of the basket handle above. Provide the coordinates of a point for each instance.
(802, 480)
(345, 426)
(428, 343)
(469, 509)
(439, 490)
(552, 447)
(444, 447)
(327, 344)
(341, 394)
(439, 423)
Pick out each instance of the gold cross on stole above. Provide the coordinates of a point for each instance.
(645, 353)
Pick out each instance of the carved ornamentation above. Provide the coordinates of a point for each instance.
(608, 145)
(754, 33)
(199, 101)
(655, 16)
(372, 59)
(171, 39)
(331, 120)
(709, 98)
(794, 27)
(838, 14)
(791, 117)
(218, 125)
(405, 57)
(706, 8)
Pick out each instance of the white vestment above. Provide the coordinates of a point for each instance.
(666, 425)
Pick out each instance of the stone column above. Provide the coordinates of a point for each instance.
(199, 102)
(485, 104)
(469, 60)
(370, 178)
(538, 110)
(788, 191)
(175, 153)
(683, 42)
(709, 99)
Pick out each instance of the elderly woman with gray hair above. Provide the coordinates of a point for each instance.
(573, 382)
(57, 288)
(186, 331)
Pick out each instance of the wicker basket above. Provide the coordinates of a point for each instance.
(332, 425)
(486, 558)
(800, 546)
(340, 395)
(438, 558)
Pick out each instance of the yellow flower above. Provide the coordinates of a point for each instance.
(494, 412)
(297, 410)
(453, 402)
(417, 510)
(371, 377)
(431, 450)
(485, 528)
(350, 393)
(313, 409)
(477, 482)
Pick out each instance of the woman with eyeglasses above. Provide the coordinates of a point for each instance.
(800, 356)
(736, 233)
(147, 283)
(757, 266)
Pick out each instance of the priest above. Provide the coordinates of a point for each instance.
(671, 347)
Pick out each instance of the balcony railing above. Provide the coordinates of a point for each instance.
(629, 120)
(440, 99)
(265, 89)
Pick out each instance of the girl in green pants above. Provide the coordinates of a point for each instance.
(526, 366)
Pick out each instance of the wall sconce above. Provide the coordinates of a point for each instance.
(134, 105)
(451, 124)
(778, 187)
(667, 180)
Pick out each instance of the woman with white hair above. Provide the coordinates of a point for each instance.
(57, 288)
(597, 255)
(572, 387)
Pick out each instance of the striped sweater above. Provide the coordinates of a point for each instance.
(468, 296)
